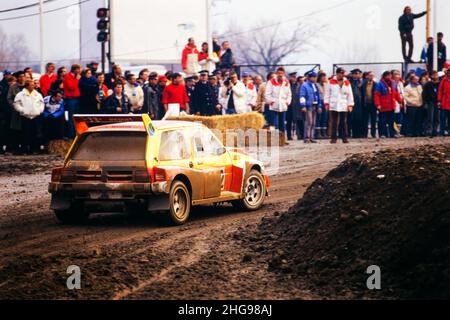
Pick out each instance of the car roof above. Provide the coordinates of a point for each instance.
(139, 126)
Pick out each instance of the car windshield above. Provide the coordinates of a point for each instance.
(111, 146)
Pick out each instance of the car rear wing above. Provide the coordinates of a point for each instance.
(84, 121)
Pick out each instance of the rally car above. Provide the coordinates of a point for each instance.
(153, 166)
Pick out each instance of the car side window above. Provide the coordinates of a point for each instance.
(205, 143)
(174, 146)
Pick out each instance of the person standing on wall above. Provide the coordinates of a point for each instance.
(406, 27)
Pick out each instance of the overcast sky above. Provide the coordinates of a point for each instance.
(358, 29)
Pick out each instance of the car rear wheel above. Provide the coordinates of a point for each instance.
(180, 203)
(77, 213)
(254, 192)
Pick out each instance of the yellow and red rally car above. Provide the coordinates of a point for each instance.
(152, 166)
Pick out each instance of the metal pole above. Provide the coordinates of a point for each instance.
(41, 36)
(428, 31)
(435, 31)
(209, 33)
(110, 40)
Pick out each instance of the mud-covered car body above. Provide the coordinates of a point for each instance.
(135, 161)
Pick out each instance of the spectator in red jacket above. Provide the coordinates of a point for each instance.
(189, 58)
(176, 93)
(48, 78)
(386, 96)
(444, 103)
(72, 95)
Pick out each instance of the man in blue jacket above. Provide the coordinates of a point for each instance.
(310, 101)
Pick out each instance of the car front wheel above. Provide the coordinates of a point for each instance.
(180, 203)
(254, 192)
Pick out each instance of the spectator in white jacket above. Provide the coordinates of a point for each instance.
(250, 90)
(29, 104)
(233, 97)
(135, 93)
(339, 101)
(278, 96)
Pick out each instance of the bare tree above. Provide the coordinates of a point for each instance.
(270, 43)
(13, 51)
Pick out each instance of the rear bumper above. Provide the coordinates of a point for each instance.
(110, 190)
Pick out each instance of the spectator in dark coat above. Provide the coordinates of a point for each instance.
(88, 89)
(204, 97)
(5, 111)
(227, 61)
(430, 99)
(118, 102)
(406, 26)
(355, 120)
(114, 77)
(16, 120)
(442, 54)
(151, 97)
(369, 109)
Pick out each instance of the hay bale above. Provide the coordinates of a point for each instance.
(252, 120)
(59, 147)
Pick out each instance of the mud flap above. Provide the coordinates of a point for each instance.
(61, 202)
(158, 203)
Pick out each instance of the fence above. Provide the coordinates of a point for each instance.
(263, 69)
(376, 67)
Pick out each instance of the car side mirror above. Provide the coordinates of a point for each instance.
(220, 151)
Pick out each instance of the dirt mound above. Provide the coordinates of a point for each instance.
(389, 208)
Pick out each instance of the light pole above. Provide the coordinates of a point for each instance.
(41, 36)
(209, 33)
(435, 31)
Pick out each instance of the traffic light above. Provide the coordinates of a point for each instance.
(103, 25)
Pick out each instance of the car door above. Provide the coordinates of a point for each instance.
(213, 160)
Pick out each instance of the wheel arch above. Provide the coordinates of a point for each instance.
(183, 178)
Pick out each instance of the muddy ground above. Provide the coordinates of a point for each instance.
(124, 257)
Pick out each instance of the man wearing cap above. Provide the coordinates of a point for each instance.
(339, 101)
(216, 88)
(310, 102)
(151, 97)
(204, 98)
(190, 83)
(250, 90)
(355, 121)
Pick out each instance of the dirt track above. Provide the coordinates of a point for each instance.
(124, 257)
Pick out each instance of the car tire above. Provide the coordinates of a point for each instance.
(75, 214)
(254, 193)
(179, 203)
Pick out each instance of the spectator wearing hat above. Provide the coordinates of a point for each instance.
(295, 90)
(299, 115)
(278, 97)
(135, 93)
(355, 121)
(5, 112)
(250, 90)
(204, 98)
(216, 88)
(190, 88)
(310, 102)
(386, 97)
(47, 79)
(190, 58)
(151, 97)
(444, 103)
(370, 112)
(339, 101)
(162, 83)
